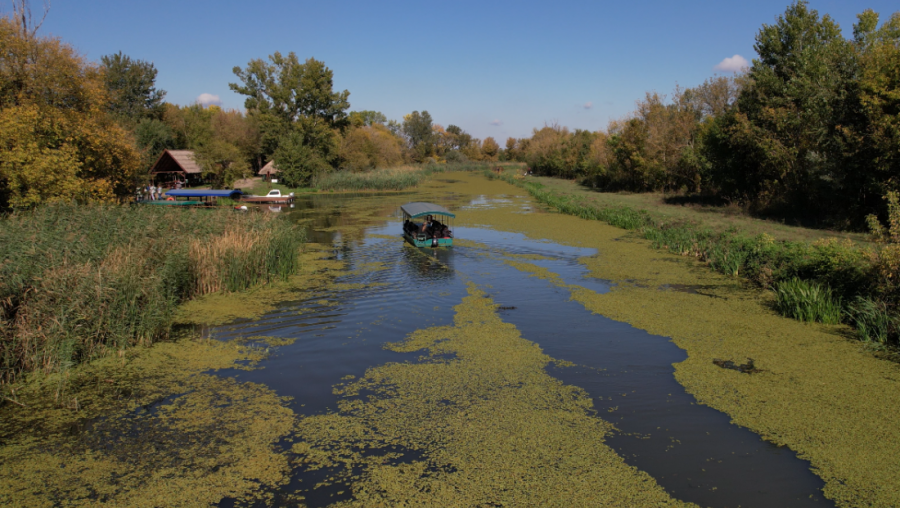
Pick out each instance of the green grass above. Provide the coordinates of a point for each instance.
(79, 281)
(716, 218)
(807, 301)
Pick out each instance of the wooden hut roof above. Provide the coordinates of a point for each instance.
(268, 169)
(176, 161)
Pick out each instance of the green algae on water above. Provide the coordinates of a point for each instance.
(146, 428)
(478, 423)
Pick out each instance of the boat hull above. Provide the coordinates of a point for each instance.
(280, 200)
(429, 242)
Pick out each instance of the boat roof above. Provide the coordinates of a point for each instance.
(421, 209)
(203, 193)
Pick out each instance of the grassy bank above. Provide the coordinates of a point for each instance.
(79, 281)
(828, 280)
(399, 178)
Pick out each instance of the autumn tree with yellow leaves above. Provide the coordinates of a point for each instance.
(57, 139)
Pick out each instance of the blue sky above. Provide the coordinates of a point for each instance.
(493, 68)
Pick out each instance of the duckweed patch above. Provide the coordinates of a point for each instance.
(145, 428)
(478, 422)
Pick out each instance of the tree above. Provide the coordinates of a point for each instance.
(780, 140)
(290, 96)
(297, 162)
(490, 148)
(370, 147)
(511, 153)
(222, 162)
(418, 131)
(133, 95)
(57, 140)
(367, 118)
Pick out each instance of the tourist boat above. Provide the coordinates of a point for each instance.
(273, 197)
(438, 235)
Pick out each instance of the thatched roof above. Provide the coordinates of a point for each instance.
(176, 161)
(268, 169)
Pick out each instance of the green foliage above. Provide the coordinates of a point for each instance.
(80, 280)
(807, 301)
(418, 131)
(297, 162)
(131, 83)
(367, 118)
(289, 96)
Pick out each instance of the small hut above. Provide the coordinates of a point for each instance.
(176, 166)
(268, 171)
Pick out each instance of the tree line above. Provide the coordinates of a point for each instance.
(71, 129)
(811, 129)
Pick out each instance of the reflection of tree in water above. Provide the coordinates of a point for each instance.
(427, 264)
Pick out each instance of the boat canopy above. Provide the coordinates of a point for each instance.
(420, 209)
(204, 193)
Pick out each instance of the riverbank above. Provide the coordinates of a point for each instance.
(378, 180)
(829, 280)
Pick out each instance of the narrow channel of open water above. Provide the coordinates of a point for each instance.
(693, 451)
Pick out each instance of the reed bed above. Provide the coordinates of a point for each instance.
(399, 178)
(79, 281)
(811, 281)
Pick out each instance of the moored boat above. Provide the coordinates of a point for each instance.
(274, 197)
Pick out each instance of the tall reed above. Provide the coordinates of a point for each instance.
(78, 281)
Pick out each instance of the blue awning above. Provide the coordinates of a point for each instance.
(420, 209)
(204, 193)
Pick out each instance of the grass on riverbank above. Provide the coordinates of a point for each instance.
(77, 282)
(842, 270)
(386, 179)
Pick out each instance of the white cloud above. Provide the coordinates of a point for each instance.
(736, 63)
(497, 123)
(207, 98)
(588, 105)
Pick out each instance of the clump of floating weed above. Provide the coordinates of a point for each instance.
(78, 281)
(807, 301)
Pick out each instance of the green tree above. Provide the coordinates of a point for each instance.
(780, 140)
(297, 162)
(133, 95)
(367, 118)
(289, 96)
(417, 127)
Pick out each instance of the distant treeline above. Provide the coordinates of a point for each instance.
(71, 129)
(811, 129)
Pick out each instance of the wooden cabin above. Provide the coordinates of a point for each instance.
(268, 172)
(176, 166)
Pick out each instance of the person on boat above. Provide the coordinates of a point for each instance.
(426, 225)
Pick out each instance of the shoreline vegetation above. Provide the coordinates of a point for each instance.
(78, 282)
(829, 280)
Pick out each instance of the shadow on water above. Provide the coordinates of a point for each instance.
(693, 451)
